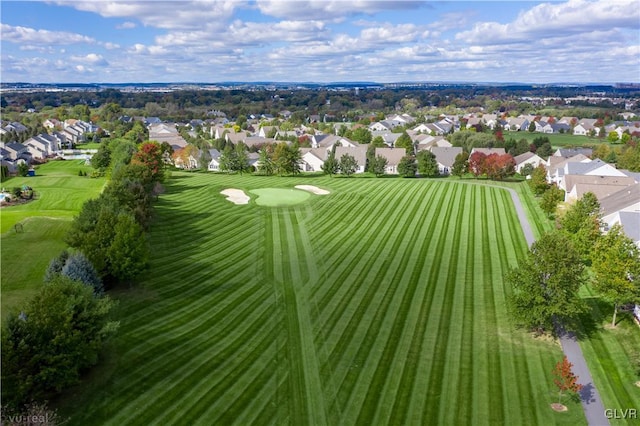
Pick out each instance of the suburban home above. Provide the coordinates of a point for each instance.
(591, 168)
(357, 152)
(52, 124)
(382, 126)
(214, 164)
(555, 166)
(266, 130)
(167, 132)
(393, 156)
(401, 119)
(623, 207)
(388, 137)
(445, 156)
(488, 151)
(601, 186)
(312, 159)
(527, 158)
(15, 127)
(517, 124)
(490, 120)
(44, 145)
(426, 142)
(571, 152)
(328, 141)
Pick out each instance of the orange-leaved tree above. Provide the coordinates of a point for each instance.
(564, 379)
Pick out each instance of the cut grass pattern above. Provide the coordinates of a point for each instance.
(381, 303)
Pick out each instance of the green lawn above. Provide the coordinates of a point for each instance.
(26, 255)
(381, 303)
(60, 192)
(278, 197)
(558, 140)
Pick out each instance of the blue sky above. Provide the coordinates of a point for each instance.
(320, 41)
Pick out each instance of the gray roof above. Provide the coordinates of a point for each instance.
(489, 151)
(358, 152)
(577, 168)
(567, 153)
(214, 153)
(393, 155)
(524, 157)
(620, 200)
(446, 155)
(630, 222)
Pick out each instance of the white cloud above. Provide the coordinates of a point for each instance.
(163, 14)
(26, 35)
(330, 9)
(128, 25)
(555, 19)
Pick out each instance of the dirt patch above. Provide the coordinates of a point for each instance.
(236, 196)
(559, 407)
(313, 189)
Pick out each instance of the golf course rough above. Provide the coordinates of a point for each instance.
(380, 304)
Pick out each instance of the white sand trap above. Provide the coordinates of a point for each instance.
(236, 196)
(313, 189)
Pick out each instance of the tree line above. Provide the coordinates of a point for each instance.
(547, 281)
(59, 333)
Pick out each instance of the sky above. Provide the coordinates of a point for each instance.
(209, 41)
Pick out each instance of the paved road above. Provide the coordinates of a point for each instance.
(589, 396)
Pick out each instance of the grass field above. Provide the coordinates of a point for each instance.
(25, 256)
(60, 192)
(381, 303)
(558, 140)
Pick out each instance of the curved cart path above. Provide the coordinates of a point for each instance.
(589, 396)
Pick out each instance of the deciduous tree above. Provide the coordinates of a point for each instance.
(546, 283)
(59, 334)
(379, 165)
(477, 163)
(460, 164)
(550, 200)
(616, 268)
(331, 166)
(348, 165)
(407, 166)
(427, 164)
(564, 378)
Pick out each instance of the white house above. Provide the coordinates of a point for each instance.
(214, 164)
(527, 158)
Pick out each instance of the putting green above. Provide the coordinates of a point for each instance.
(274, 197)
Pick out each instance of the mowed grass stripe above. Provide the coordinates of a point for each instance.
(444, 296)
(173, 379)
(383, 387)
(295, 286)
(394, 402)
(380, 321)
(369, 281)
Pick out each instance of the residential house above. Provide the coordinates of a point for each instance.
(15, 127)
(388, 137)
(517, 124)
(382, 126)
(214, 164)
(265, 131)
(445, 156)
(358, 152)
(591, 168)
(427, 142)
(328, 141)
(527, 158)
(623, 207)
(393, 156)
(488, 151)
(167, 132)
(52, 124)
(601, 186)
(571, 152)
(312, 159)
(555, 166)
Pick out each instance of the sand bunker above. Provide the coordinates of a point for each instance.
(313, 189)
(236, 196)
